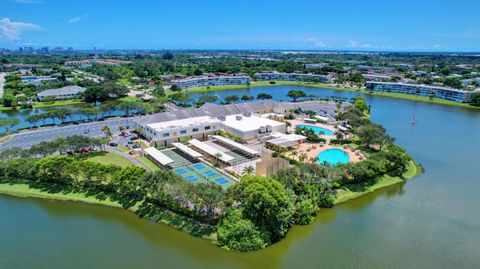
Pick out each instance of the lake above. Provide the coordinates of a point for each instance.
(432, 221)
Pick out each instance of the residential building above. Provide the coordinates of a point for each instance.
(204, 81)
(376, 77)
(89, 62)
(460, 96)
(314, 66)
(66, 92)
(248, 126)
(291, 77)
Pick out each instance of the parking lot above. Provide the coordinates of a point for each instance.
(92, 129)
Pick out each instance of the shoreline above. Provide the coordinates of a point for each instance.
(423, 99)
(160, 216)
(346, 194)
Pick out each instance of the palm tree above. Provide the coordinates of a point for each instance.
(313, 160)
(303, 156)
(294, 153)
(248, 170)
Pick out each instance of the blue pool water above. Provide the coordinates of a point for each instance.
(316, 129)
(333, 156)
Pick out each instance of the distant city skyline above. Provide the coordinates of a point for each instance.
(423, 26)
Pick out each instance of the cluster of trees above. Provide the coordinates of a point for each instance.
(61, 146)
(104, 91)
(475, 99)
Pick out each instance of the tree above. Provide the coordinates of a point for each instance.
(264, 96)
(207, 197)
(303, 156)
(126, 180)
(231, 98)
(360, 104)
(33, 119)
(167, 56)
(54, 168)
(180, 98)
(247, 98)
(267, 204)
(304, 212)
(296, 94)
(248, 170)
(207, 99)
(475, 99)
(236, 233)
(373, 134)
(175, 88)
(8, 123)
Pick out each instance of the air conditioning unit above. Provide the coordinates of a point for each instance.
(238, 117)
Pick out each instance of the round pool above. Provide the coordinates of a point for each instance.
(316, 129)
(333, 156)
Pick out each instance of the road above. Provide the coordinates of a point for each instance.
(25, 140)
(2, 81)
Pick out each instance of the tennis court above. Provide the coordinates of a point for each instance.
(195, 171)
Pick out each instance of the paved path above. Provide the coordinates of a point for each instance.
(27, 139)
(2, 81)
(132, 159)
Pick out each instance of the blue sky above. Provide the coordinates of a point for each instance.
(421, 25)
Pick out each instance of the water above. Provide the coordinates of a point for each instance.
(432, 221)
(333, 156)
(317, 130)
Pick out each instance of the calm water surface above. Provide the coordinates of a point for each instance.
(433, 221)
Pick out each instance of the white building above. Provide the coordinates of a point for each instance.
(167, 132)
(204, 81)
(291, 77)
(248, 126)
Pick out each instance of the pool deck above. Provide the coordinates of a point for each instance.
(312, 151)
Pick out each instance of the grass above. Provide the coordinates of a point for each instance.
(148, 163)
(110, 158)
(356, 190)
(130, 99)
(57, 103)
(123, 148)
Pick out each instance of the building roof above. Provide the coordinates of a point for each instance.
(249, 123)
(210, 150)
(236, 145)
(67, 90)
(187, 150)
(182, 123)
(158, 156)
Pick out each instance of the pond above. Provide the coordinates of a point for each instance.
(432, 221)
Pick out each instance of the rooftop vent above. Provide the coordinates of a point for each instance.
(222, 118)
(247, 114)
(238, 117)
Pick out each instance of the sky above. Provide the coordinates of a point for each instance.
(359, 25)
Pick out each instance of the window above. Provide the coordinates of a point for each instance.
(183, 131)
(207, 127)
(166, 135)
(195, 130)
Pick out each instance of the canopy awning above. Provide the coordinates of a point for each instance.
(282, 142)
(210, 150)
(158, 156)
(187, 150)
(236, 145)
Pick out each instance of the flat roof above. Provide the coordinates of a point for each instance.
(249, 123)
(158, 156)
(187, 150)
(289, 137)
(182, 123)
(210, 150)
(236, 145)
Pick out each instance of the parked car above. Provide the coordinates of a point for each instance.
(136, 145)
(134, 137)
(86, 131)
(113, 144)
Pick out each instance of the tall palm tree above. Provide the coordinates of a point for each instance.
(294, 153)
(248, 170)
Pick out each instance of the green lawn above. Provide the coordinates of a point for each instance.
(148, 163)
(123, 148)
(129, 99)
(110, 158)
(57, 103)
(357, 190)
(24, 190)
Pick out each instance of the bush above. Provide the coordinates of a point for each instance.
(304, 212)
(239, 234)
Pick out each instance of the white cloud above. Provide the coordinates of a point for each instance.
(12, 30)
(316, 42)
(74, 19)
(77, 19)
(28, 1)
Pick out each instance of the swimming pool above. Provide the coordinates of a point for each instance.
(316, 129)
(333, 156)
